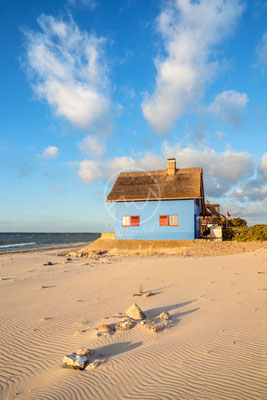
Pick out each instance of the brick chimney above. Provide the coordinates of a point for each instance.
(171, 162)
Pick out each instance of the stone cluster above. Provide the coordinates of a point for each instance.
(134, 315)
(90, 254)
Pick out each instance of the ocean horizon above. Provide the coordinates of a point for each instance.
(11, 241)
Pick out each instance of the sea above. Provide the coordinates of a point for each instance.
(26, 241)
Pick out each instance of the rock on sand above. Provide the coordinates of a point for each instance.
(75, 361)
(124, 325)
(135, 312)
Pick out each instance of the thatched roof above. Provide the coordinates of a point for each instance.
(212, 211)
(184, 183)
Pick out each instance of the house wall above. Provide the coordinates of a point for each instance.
(149, 212)
(197, 219)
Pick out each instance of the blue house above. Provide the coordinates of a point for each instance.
(159, 205)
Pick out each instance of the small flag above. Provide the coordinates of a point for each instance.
(228, 215)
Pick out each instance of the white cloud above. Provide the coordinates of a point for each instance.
(190, 30)
(50, 152)
(68, 70)
(254, 213)
(261, 51)
(229, 106)
(221, 170)
(146, 162)
(254, 194)
(263, 166)
(89, 171)
(151, 162)
(92, 146)
(254, 189)
(120, 164)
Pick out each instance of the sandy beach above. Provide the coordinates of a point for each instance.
(215, 347)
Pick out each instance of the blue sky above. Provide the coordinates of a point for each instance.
(93, 87)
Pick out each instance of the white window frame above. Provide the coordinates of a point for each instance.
(126, 221)
(173, 220)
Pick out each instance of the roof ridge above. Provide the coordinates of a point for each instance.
(153, 171)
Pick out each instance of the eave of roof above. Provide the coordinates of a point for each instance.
(159, 198)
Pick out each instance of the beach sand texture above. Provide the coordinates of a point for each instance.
(215, 348)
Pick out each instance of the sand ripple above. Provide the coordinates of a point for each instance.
(215, 349)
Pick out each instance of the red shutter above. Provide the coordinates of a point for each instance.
(135, 220)
(163, 220)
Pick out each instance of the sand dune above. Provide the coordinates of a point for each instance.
(215, 349)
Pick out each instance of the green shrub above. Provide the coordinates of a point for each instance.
(255, 232)
(237, 222)
(227, 234)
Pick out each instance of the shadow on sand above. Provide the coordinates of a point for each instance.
(153, 312)
(115, 349)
